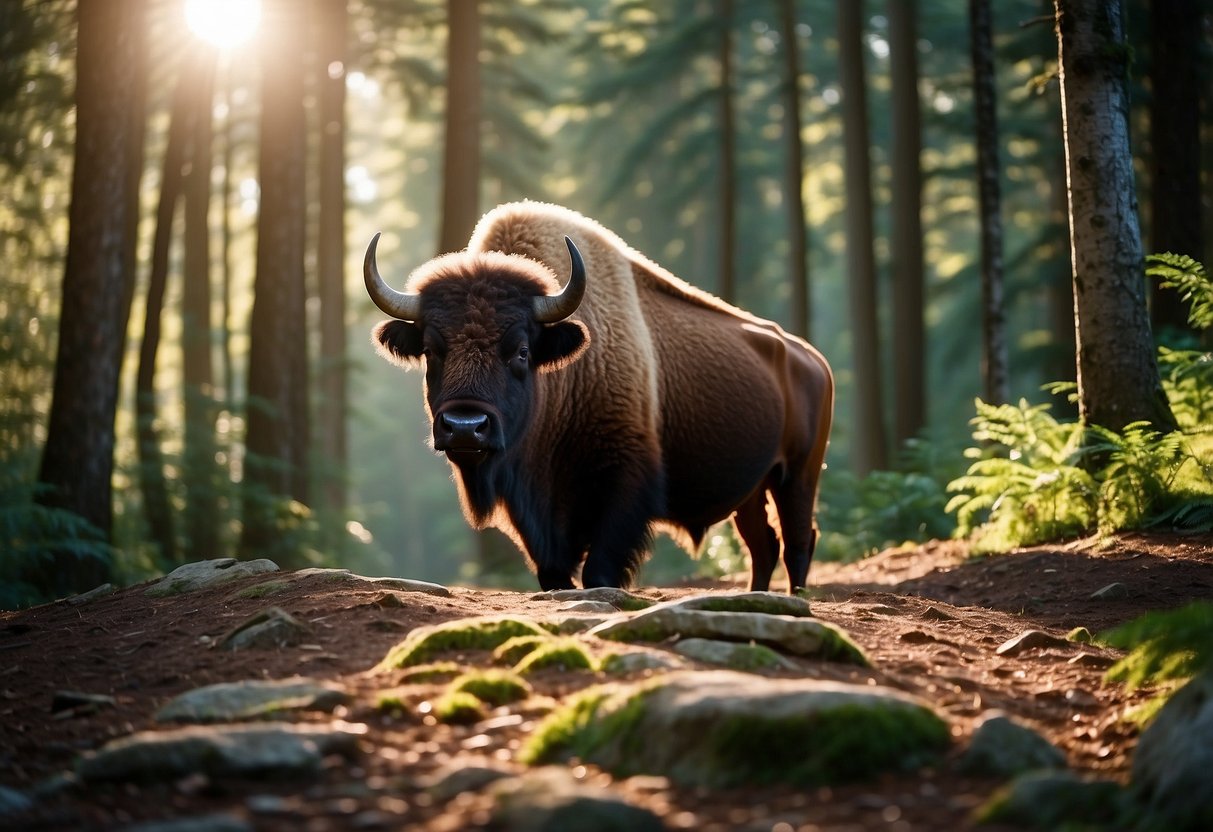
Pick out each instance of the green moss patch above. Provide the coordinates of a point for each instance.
(493, 687)
(725, 729)
(517, 648)
(458, 708)
(424, 643)
(565, 654)
(432, 672)
(261, 590)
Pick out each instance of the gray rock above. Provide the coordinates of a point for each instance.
(465, 776)
(1053, 800)
(254, 699)
(272, 627)
(799, 636)
(1174, 758)
(732, 654)
(92, 595)
(1112, 592)
(552, 800)
(221, 750)
(771, 603)
(206, 823)
(401, 584)
(204, 573)
(13, 801)
(1028, 640)
(1003, 747)
(722, 728)
(589, 606)
(567, 625)
(620, 599)
(638, 661)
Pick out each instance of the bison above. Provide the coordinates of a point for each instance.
(581, 418)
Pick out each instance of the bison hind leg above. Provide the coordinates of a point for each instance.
(753, 525)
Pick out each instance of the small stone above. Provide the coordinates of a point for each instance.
(916, 637)
(220, 750)
(1112, 592)
(79, 703)
(1092, 660)
(567, 625)
(936, 614)
(1002, 747)
(465, 776)
(254, 699)
(589, 606)
(1028, 640)
(272, 627)
(552, 800)
(620, 599)
(194, 576)
(92, 595)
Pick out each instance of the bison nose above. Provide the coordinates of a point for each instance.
(462, 430)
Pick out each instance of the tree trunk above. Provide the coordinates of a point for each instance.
(869, 451)
(1118, 379)
(275, 468)
(994, 361)
(98, 283)
(330, 255)
(798, 241)
(909, 362)
(157, 506)
(461, 157)
(1175, 198)
(200, 474)
(728, 156)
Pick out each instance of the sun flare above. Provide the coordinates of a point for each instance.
(225, 23)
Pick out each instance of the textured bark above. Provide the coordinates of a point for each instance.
(995, 369)
(1175, 199)
(461, 156)
(98, 284)
(157, 507)
(200, 473)
(728, 159)
(868, 451)
(275, 467)
(330, 256)
(909, 362)
(798, 240)
(1118, 379)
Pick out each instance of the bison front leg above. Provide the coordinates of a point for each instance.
(621, 532)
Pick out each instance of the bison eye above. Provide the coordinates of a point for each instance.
(523, 353)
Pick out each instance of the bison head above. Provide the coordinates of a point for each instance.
(483, 324)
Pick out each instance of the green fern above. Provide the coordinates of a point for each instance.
(1163, 647)
(1180, 272)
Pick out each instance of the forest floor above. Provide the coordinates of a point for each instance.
(930, 618)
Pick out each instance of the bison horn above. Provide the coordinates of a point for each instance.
(549, 309)
(401, 305)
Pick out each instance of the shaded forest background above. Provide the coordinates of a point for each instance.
(738, 144)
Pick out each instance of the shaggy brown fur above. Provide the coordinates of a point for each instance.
(681, 412)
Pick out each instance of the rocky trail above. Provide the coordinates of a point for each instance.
(901, 695)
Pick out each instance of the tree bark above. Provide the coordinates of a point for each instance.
(1175, 198)
(275, 468)
(200, 474)
(98, 284)
(461, 148)
(728, 157)
(157, 506)
(798, 240)
(909, 362)
(1118, 380)
(330, 256)
(869, 450)
(995, 369)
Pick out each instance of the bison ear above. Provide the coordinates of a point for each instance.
(560, 344)
(398, 342)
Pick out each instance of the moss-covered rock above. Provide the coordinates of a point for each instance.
(731, 654)
(432, 672)
(799, 636)
(253, 699)
(770, 603)
(424, 643)
(566, 654)
(722, 728)
(1057, 800)
(517, 648)
(493, 687)
(458, 708)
